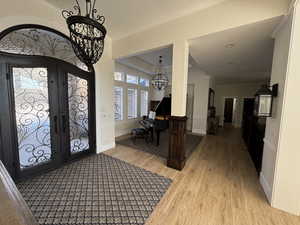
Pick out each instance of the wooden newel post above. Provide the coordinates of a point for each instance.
(177, 131)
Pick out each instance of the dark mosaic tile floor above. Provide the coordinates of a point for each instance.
(95, 190)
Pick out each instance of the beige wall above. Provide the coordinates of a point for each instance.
(281, 165)
(199, 24)
(279, 68)
(126, 125)
(15, 12)
(180, 67)
(201, 82)
(238, 91)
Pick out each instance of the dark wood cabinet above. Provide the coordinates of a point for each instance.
(253, 135)
(253, 132)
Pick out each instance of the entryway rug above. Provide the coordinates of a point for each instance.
(191, 143)
(94, 191)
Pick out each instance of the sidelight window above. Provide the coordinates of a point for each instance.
(118, 103)
(132, 103)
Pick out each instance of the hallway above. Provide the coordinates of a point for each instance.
(218, 186)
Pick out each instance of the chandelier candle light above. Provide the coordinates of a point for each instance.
(160, 80)
(87, 32)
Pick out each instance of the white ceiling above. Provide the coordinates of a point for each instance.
(124, 17)
(249, 60)
(153, 56)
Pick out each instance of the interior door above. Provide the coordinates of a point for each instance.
(34, 112)
(228, 110)
(77, 117)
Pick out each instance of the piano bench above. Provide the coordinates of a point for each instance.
(140, 133)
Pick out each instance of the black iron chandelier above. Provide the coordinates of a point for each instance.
(87, 32)
(160, 80)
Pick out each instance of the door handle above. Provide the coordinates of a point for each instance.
(64, 118)
(55, 125)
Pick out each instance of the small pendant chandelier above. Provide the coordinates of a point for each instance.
(160, 80)
(87, 32)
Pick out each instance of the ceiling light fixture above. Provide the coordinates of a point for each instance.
(87, 32)
(264, 100)
(160, 81)
(231, 45)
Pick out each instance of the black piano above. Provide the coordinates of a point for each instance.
(163, 113)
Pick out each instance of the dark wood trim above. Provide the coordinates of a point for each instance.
(177, 132)
(56, 68)
(13, 208)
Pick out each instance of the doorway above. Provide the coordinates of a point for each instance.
(228, 110)
(47, 118)
(190, 107)
(248, 113)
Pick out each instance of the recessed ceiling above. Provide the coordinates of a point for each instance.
(241, 54)
(124, 17)
(153, 56)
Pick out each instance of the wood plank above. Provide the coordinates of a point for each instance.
(218, 186)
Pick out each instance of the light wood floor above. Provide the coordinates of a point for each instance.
(218, 186)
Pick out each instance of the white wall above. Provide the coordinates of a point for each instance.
(238, 91)
(279, 68)
(104, 100)
(15, 12)
(201, 83)
(281, 165)
(229, 14)
(126, 125)
(286, 189)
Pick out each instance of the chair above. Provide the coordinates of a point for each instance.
(144, 132)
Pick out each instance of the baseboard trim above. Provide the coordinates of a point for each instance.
(199, 131)
(266, 187)
(104, 148)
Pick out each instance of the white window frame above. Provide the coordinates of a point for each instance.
(146, 86)
(122, 76)
(142, 103)
(131, 75)
(121, 104)
(135, 110)
(123, 84)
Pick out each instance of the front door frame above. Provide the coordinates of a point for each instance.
(10, 155)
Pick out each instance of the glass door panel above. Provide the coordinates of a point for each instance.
(78, 101)
(31, 103)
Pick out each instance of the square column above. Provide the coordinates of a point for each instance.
(179, 77)
(177, 130)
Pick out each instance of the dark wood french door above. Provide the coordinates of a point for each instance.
(47, 115)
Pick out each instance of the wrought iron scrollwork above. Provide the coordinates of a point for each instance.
(32, 115)
(33, 41)
(78, 113)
